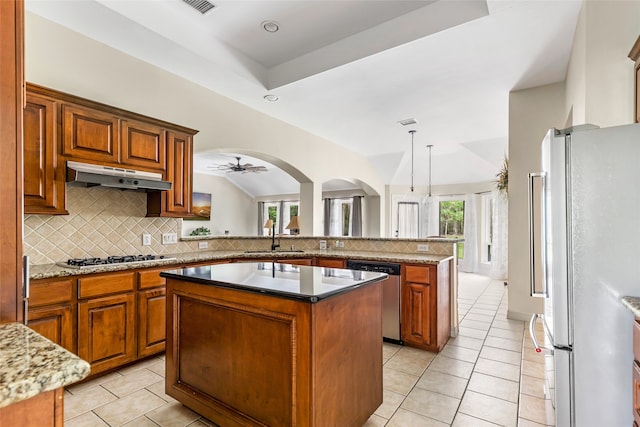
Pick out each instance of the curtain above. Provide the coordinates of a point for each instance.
(432, 216)
(261, 219)
(356, 217)
(335, 218)
(499, 249)
(327, 216)
(280, 217)
(408, 219)
(469, 262)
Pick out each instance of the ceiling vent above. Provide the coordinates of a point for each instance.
(202, 6)
(407, 122)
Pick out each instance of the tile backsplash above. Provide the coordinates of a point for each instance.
(101, 222)
(106, 221)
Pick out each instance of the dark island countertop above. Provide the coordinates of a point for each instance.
(303, 283)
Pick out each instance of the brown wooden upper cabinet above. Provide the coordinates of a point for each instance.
(90, 134)
(143, 145)
(43, 190)
(61, 127)
(177, 201)
(635, 56)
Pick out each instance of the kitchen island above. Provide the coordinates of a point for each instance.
(268, 344)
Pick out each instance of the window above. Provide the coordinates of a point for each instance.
(452, 221)
(272, 212)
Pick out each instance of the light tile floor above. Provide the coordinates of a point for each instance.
(489, 375)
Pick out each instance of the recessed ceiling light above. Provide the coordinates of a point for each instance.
(270, 26)
(271, 97)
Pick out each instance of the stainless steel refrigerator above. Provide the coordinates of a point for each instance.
(585, 255)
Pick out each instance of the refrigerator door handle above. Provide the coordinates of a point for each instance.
(532, 333)
(543, 236)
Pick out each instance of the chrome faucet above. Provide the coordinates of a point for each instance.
(273, 238)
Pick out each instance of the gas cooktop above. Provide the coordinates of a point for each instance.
(111, 260)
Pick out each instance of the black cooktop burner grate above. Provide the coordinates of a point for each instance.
(89, 262)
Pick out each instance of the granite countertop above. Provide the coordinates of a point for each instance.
(633, 304)
(31, 364)
(303, 283)
(46, 271)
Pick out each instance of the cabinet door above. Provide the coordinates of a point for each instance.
(106, 331)
(43, 183)
(89, 134)
(177, 201)
(152, 326)
(179, 172)
(143, 144)
(54, 323)
(416, 314)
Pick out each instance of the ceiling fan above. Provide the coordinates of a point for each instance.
(237, 167)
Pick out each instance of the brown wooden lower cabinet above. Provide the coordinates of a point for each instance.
(245, 359)
(52, 311)
(55, 323)
(152, 326)
(426, 318)
(106, 331)
(43, 410)
(329, 262)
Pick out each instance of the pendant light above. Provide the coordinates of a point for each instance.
(429, 147)
(412, 132)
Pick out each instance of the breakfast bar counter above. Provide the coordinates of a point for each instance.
(266, 344)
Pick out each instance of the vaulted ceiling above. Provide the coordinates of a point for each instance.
(349, 71)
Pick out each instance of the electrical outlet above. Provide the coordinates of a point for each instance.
(341, 244)
(203, 245)
(146, 239)
(169, 238)
(323, 245)
(423, 248)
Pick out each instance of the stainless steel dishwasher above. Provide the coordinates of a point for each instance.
(390, 295)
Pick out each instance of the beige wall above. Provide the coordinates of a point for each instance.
(532, 112)
(600, 75)
(64, 60)
(231, 208)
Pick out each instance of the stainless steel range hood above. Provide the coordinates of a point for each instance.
(89, 175)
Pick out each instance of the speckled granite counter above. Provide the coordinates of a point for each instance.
(31, 364)
(52, 270)
(633, 304)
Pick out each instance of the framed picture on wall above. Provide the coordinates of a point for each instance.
(201, 207)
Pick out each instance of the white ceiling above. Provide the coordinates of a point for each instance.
(349, 70)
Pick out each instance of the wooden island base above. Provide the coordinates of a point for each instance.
(250, 359)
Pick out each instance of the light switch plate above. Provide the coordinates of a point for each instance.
(146, 239)
(423, 248)
(203, 245)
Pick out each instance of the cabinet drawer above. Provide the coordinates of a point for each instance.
(50, 292)
(151, 279)
(330, 262)
(417, 274)
(104, 285)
